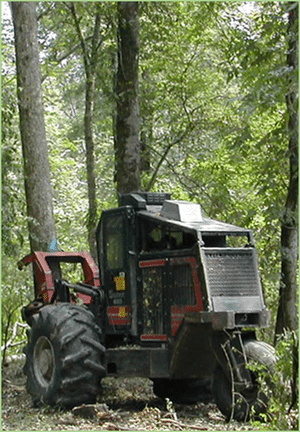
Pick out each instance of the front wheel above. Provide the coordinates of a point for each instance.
(239, 405)
(64, 357)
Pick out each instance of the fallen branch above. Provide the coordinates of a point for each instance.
(9, 343)
(181, 425)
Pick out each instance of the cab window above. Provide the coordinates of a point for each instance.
(155, 237)
(114, 243)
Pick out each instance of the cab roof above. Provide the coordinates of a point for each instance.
(185, 215)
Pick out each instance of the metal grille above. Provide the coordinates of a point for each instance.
(231, 273)
(182, 287)
(152, 300)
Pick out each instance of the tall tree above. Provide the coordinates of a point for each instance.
(264, 63)
(127, 124)
(90, 59)
(38, 190)
(287, 310)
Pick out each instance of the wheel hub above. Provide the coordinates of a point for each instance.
(44, 361)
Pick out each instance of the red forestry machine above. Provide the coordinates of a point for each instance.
(177, 300)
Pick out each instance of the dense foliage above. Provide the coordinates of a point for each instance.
(212, 86)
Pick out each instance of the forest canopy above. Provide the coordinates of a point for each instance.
(213, 80)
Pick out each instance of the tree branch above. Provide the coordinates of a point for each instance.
(165, 154)
(10, 343)
(86, 58)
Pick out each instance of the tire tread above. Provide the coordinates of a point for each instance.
(75, 339)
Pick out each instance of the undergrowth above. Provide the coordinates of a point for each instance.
(283, 392)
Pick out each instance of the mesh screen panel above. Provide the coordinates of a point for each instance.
(232, 273)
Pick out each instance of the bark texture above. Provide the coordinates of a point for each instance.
(33, 136)
(90, 59)
(287, 310)
(127, 125)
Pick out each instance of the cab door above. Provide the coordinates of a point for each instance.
(155, 317)
(170, 288)
(114, 264)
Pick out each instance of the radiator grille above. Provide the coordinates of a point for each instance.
(232, 273)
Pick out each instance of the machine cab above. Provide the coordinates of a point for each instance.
(148, 270)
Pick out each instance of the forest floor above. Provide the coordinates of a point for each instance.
(125, 404)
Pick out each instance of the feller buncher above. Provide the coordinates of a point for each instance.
(176, 297)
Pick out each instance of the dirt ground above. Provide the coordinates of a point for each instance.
(125, 404)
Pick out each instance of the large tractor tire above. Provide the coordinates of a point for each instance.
(186, 391)
(64, 357)
(241, 405)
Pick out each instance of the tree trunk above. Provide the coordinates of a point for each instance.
(90, 66)
(90, 164)
(38, 189)
(127, 126)
(287, 310)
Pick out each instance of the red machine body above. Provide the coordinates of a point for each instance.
(46, 268)
(179, 300)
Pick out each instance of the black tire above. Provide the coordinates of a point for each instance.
(248, 402)
(186, 391)
(64, 357)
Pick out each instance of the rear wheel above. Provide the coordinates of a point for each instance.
(64, 357)
(239, 405)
